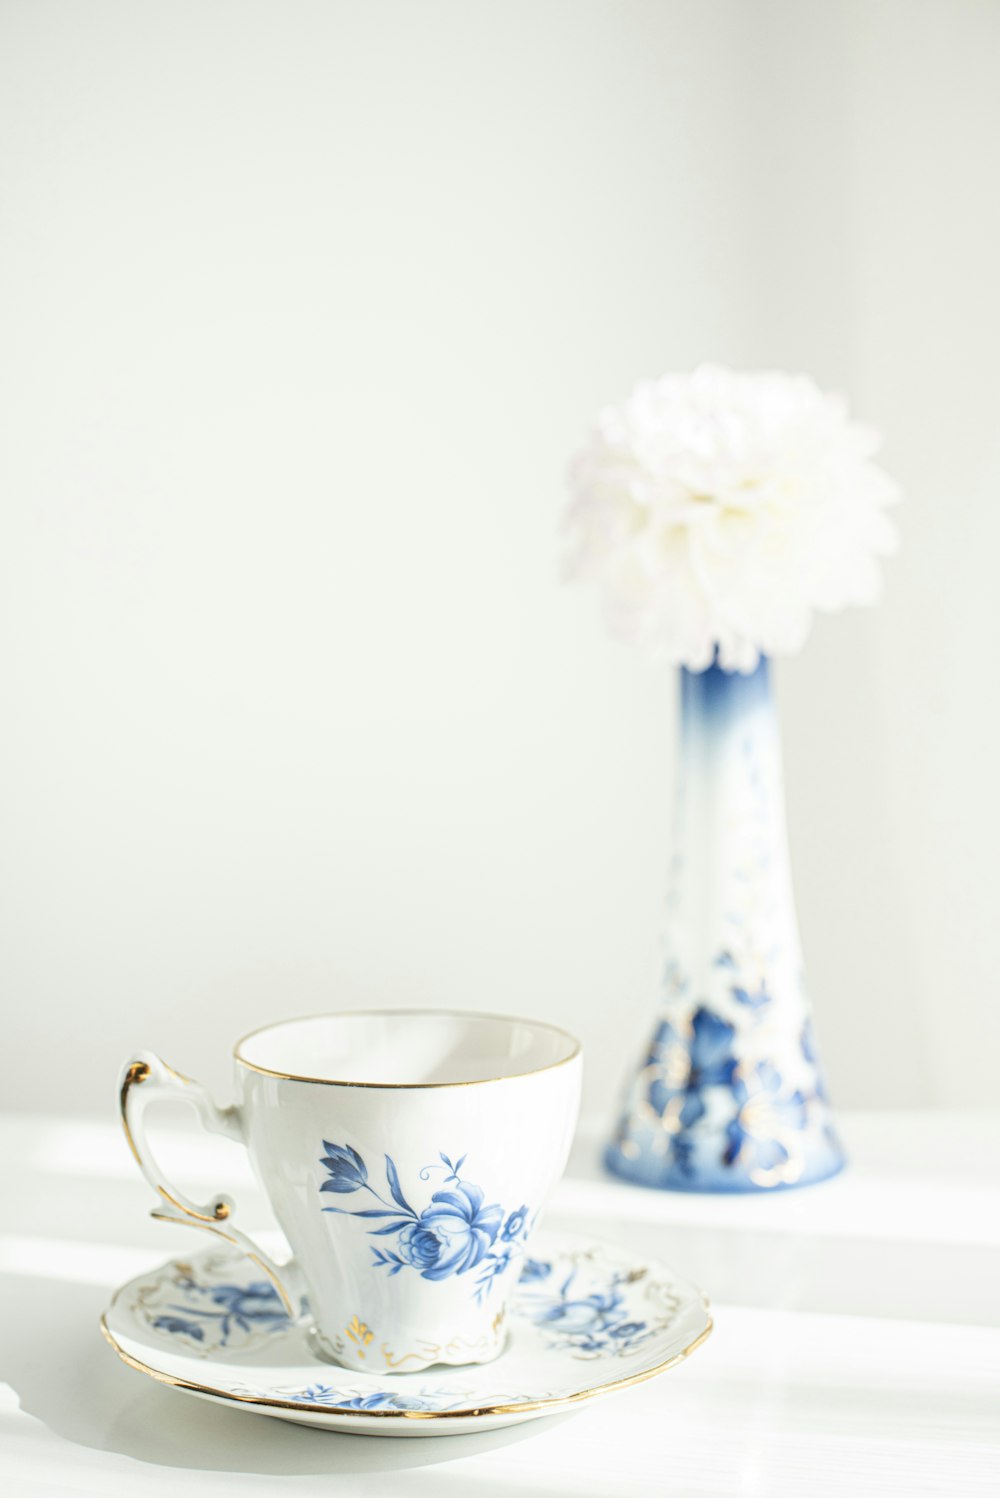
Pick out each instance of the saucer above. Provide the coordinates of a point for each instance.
(586, 1320)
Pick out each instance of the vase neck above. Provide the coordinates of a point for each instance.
(721, 699)
(730, 882)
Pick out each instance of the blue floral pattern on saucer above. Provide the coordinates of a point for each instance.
(330, 1397)
(572, 1309)
(595, 1322)
(583, 1320)
(212, 1306)
(223, 1310)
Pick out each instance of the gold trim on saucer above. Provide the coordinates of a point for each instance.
(553, 1403)
(284, 1076)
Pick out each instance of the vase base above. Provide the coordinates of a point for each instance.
(658, 1174)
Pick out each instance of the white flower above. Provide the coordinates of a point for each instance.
(719, 509)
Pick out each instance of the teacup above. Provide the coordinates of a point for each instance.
(406, 1154)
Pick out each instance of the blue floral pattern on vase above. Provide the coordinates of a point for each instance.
(455, 1233)
(706, 1060)
(729, 1095)
(763, 1133)
(689, 1077)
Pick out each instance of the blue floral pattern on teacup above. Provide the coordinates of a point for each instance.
(456, 1232)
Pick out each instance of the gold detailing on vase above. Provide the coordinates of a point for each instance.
(786, 1172)
(760, 1121)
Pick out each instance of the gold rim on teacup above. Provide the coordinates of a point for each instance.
(460, 1014)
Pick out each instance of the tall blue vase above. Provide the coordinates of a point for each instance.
(728, 1094)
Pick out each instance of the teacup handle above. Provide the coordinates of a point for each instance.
(146, 1079)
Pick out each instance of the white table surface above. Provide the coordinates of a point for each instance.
(856, 1350)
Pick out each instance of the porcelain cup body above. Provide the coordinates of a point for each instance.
(407, 1156)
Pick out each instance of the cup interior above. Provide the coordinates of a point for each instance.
(405, 1048)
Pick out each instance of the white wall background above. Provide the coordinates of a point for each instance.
(304, 307)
